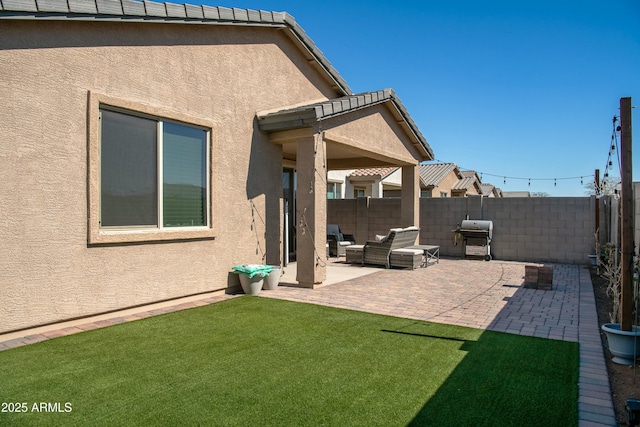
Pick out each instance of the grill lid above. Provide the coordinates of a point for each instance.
(477, 228)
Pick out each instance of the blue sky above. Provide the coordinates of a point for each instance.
(522, 89)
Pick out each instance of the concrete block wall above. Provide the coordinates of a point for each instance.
(551, 229)
(342, 212)
(536, 229)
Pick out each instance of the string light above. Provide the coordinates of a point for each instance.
(505, 177)
(613, 150)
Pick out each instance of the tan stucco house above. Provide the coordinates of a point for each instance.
(438, 179)
(365, 182)
(146, 148)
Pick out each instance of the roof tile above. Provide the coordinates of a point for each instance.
(266, 16)
(374, 172)
(109, 7)
(155, 9)
(432, 174)
(20, 5)
(254, 15)
(82, 6)
(240, 14)
(194, 11)
(130, 7)
(464, 184)
(175, 10)
(59, 6)
(210, 12)
(225, 13)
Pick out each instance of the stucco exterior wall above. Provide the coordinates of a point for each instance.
(222, 75)
(377, 132)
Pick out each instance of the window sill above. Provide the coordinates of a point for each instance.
(106, 236)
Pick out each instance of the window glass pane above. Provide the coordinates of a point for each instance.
(330, 190)
(184, 176)
(128, 193)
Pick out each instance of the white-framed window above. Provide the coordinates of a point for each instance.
(444, 194)
(359, 192)
(153, 172)
(334, 190)
(150, 173)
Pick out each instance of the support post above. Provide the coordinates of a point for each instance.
(597, 185)
(626, 303)
(410, 202)
(311, 211)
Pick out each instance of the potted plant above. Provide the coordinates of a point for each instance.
(623, 345)
(252, 277)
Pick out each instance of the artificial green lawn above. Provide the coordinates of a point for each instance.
(254, 361)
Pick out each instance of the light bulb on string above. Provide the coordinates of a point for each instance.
(529, 182)
(555, 182)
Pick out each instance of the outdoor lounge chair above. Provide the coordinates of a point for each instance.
(378, 252)
(338, 241)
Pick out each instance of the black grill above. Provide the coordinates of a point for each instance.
(477, 237)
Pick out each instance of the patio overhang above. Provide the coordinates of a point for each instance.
(366, 130)
(349, 150)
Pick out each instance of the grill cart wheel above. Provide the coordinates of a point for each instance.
(487, 257)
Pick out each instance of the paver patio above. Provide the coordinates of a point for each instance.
(478, 294)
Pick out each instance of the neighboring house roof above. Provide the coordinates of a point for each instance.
(377, 173)
(464, 184)
(470, 174)
(148, 11)
(432, 174)
(516, 194)
(488, 189)
(306, 115)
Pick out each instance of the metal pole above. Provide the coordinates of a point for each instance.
(626, 300)
(597, 228)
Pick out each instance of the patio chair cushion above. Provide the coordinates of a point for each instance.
(403, 251)
(407, 258)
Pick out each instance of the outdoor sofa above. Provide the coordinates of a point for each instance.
(390, 250)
